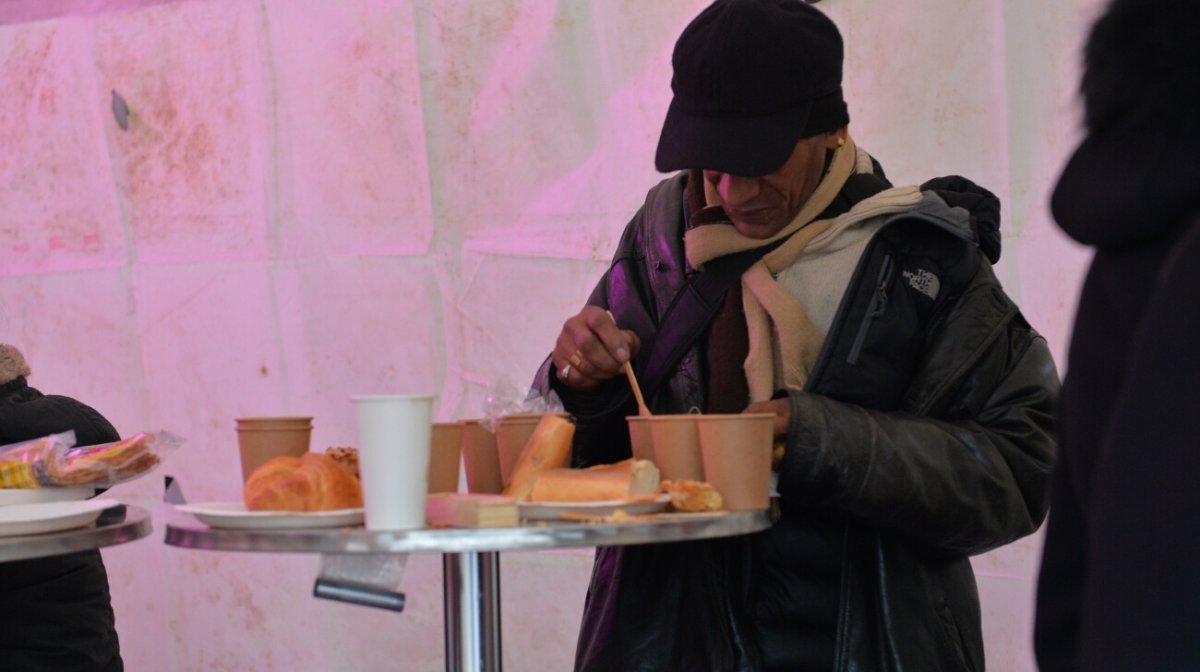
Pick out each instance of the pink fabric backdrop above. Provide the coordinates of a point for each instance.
(313, 200)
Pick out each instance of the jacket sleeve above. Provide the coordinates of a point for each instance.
(964, 482)
(601, 432)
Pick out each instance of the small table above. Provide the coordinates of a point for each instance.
(116, 525)
(470, 559)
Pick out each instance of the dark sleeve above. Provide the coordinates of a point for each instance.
(1141, 592)
(951, 487)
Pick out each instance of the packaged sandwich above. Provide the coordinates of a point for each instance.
(54, 461)
(19, 461)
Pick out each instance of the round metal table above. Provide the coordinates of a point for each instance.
(116, 525)
(470, 559)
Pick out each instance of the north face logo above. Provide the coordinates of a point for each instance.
(924, 282)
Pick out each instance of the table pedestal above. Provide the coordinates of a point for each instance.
(471, 592)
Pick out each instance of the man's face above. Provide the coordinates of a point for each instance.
(760, 206)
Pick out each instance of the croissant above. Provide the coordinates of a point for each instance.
(313, 482)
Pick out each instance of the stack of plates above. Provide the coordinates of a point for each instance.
(11, 496)
(47, 517)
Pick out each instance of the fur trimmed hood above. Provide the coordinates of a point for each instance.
(12, 364)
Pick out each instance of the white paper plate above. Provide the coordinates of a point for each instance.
(234, 516)
(11, 496)
(554, 510)
(50, 516)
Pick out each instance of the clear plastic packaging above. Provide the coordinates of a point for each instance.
(506, 398)
(19, 461)
(55, 461)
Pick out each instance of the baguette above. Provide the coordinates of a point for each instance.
(634, 478)
(549, 447)
(622, 467)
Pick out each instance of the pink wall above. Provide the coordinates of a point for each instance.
(313, 200)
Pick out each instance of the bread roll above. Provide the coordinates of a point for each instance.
(632, 478)
(312, 482)
(346, 456)
(692, 496)
(549, 447)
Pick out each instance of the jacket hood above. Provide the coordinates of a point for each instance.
(981, 207)
(1132, 178)
(1127, 185)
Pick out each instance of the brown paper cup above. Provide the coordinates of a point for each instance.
(446, 440)
(641, 438)
(260, 439)
(677, 447)
(737, 457)
(480, 459)
(512, 431)
(274, 421)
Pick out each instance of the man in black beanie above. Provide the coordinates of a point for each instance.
(55, 612)
(780, 271)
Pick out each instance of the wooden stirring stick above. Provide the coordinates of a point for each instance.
(643, 409)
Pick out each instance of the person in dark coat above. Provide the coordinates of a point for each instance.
(913, 403)
(55, 612)
(1119, 587)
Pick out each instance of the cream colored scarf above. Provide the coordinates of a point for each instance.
(771, 311)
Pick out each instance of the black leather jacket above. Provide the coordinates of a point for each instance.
(926, 425)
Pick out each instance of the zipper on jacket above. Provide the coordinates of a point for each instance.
(875, 308)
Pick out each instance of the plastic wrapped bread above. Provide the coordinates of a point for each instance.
(55, 461)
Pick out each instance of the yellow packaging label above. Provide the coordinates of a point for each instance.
(17, 475)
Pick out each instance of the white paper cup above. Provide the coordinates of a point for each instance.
(394, 434)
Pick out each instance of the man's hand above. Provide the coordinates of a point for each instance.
(782, 408)
(591, 349)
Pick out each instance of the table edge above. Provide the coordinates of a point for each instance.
(138, 524)
(187, 533)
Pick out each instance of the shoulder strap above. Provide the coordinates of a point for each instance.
(689, 314)
(697, 302)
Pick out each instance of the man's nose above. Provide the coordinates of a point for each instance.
(735, 190)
